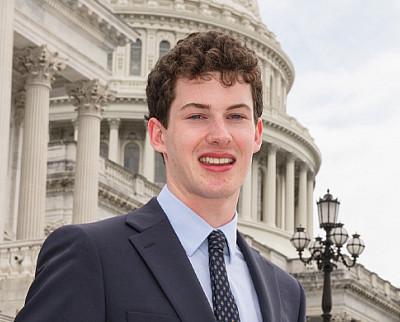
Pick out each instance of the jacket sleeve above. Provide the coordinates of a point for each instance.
(68, 284)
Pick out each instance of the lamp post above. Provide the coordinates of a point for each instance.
(327, 252)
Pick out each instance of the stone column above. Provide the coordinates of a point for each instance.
(39, 66)
(89, 97)
(284, 96)
(278, 87)
(6, 54)
(302, 220)
(310, 191)
(270, 201)
(19, 124)
(245, 205)
(264, 196)
(254, 189)
(113, 147)
(148, 157)
(289, 197)
(272, 88)
(279, 200)
(283, 201)
(75, 125)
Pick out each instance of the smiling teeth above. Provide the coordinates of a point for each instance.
(218, 161)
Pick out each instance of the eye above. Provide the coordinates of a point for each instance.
(236, 116)
(196, 117)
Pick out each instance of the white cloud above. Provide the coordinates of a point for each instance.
(341, 97)
(347, 61)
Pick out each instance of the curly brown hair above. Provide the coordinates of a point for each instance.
(195, 56)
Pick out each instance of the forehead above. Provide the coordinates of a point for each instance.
(210, 90)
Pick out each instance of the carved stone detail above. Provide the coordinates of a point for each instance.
(89, 96)
(52, 226)
(38, 63)
(114, 123)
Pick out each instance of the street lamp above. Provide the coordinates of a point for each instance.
(326, 252)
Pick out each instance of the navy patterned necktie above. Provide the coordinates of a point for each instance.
(224, 305)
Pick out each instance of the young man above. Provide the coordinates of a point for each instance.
(178, 258)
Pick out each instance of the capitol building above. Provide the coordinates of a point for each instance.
(74, 146)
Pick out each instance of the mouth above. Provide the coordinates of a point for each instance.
(216, 161)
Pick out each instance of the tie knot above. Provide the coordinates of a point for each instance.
(216, 241)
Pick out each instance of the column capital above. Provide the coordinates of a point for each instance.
(114, 123)
(38, 63)
(89, 96)
(290, 157)
(303, 166)
(271, 147)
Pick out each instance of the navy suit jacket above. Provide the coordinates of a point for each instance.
(133, 268)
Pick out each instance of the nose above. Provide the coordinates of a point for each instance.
(218, 133)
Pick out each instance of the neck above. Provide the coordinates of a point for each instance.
(216, 212)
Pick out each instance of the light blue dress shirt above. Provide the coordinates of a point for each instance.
(192, 232)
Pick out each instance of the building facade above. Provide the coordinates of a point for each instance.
(74, 144)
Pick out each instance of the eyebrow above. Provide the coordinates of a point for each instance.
(207, 106)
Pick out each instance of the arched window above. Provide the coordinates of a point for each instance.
(104, 150)
(135, 66)
(159, 175)
(132, 157)
(165, 46)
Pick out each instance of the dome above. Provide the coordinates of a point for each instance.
(249, 7)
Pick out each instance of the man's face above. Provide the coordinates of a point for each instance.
(210, 139)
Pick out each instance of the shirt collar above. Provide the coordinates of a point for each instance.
(181, 217)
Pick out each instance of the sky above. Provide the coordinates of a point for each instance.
(346, 56)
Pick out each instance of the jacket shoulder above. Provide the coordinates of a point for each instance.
(281, 275)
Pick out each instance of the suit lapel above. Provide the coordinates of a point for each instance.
(263, 276)
(160, 248)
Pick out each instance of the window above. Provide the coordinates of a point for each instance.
(135, 66)
(104, 150)
(132, 157)
(110, 61)
(164, 48)
(159, 176)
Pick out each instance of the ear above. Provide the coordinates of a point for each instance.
(156, 133)
(258, 136)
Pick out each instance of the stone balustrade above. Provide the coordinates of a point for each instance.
(115, 175)
(18, 258)
(122, 180)
(145, 188)
(6, 318)
(62, 154)
(368, 280)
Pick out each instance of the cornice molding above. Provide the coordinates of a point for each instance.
(117, 200)
(97, 20)
(300, 138)
(63, 180)
(119, 99)
(313, 281)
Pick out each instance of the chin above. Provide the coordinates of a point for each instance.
(219, 193)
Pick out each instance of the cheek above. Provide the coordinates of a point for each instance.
(246, 142)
